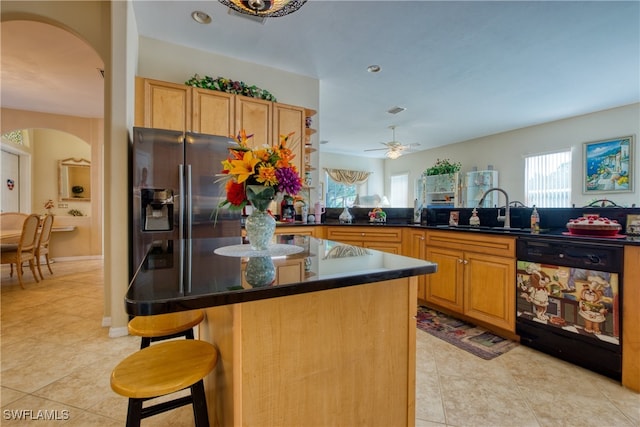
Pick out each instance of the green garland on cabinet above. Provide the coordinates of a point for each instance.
(230, 86)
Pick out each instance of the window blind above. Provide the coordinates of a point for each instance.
(548, 180)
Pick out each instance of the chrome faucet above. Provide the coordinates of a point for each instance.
(506, 217)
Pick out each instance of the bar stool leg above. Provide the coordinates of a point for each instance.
(200, 413)
(134, 413)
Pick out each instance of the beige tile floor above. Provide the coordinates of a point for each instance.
(55, 356)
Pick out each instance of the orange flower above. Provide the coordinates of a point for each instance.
(267, 175)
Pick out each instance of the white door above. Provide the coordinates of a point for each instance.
(10, 182)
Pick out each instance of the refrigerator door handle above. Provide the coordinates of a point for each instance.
(189, 204)
(181, 201)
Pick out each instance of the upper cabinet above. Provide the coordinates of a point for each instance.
(287, 119)
(213, 112)
(162, 105)
(254, 116)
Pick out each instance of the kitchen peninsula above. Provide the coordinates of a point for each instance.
(330, 341)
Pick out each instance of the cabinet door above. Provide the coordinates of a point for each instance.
(162, 105)
(287, 119)
(489, 289)
(444, 287)
(254, 116)
(213, 112)
(413, 242)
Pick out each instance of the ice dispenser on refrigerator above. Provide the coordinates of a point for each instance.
(156, 209)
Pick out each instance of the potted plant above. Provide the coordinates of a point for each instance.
(441, 176)
(443, 167)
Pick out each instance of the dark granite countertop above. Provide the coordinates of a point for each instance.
(561, 233)
(179, 275)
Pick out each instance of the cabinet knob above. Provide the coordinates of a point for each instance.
(460, 261)
(363, 234)
(465, 262)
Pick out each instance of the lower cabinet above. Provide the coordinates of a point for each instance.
(381, 238)
(475, 277)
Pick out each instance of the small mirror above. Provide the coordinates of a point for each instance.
(75, 180)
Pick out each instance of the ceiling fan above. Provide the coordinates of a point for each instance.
(393, 147)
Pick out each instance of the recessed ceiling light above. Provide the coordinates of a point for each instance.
(201, 17)
(324, 142)
(373, 68)
(396, 110)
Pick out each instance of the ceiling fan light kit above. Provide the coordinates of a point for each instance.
(394, 148)
(264, 8)
(393, 154)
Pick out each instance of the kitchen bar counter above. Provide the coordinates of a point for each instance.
(330, 342)
(179, 275)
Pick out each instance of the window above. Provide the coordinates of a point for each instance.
(547, 182)
(399, 190)
(340, 195)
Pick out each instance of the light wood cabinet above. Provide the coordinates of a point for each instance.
(382, 238)
(255, 117)
(475, 277)
(287, 119)
(213, 112)
(162, 105)
(299, 230)
(414, 245)
(631, 319)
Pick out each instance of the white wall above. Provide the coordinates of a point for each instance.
(506, 152)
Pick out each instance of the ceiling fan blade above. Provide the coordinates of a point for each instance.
(376, 149)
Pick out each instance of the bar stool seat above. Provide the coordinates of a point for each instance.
(163, 369)
(164, 326)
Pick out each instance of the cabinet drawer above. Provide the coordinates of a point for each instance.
(366, 233)
(484, 243)
(299, 230)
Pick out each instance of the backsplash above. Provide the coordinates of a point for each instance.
(550, 218)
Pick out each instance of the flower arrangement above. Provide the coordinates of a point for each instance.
(256, 175)
(443, 167)
(230, 86)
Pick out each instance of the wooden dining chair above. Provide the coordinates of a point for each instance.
(25, 250)
(42, 248)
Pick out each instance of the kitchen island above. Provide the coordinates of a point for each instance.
(330, 342)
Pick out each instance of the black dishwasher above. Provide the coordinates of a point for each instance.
(569, 301)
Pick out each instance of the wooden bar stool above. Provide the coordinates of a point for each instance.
(164, 326)
(163, 369)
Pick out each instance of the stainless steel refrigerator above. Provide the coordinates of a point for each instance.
(174, 193)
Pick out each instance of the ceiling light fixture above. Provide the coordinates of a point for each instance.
(373, 68)
(201, 17)
(395, 110)
(393, 154)
(266, 8)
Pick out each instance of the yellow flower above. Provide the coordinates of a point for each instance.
(263, 154)
(244, 168)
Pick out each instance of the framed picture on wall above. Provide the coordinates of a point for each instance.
(608, 166)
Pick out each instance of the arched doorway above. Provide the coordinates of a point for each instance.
(52, 79)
